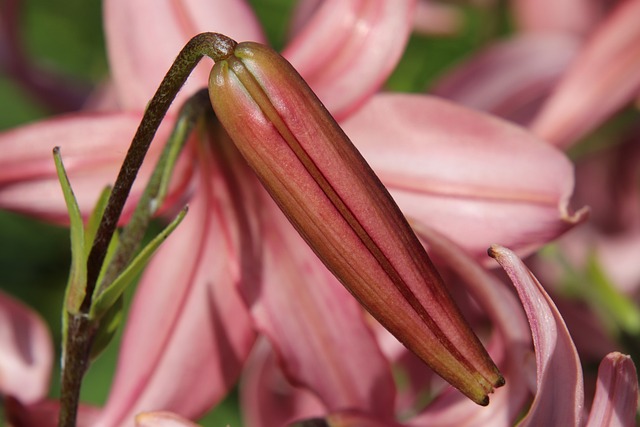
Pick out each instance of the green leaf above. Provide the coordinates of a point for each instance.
(109, 324)
(96, 217)
(112, 249)
(606, 296)
(75, 290)
(168, 160)
(109, 296)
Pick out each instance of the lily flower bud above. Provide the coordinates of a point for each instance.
(336, 202)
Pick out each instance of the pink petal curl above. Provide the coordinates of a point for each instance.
(144, 37)
(26, 352)
(92, 146)
(616, 399)
(349, 47)
(472, 177)
(316, 327)
(559, 399)
(188, 331)
(603, 78)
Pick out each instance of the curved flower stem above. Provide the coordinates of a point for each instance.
(193, 110)
(216, 46)
(82, 329)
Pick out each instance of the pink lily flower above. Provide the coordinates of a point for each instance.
(558, 392)
(520, 78)
(270, 398)
(201, 278)
(212, 270)
(220, 170)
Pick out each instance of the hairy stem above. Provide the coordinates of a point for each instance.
(80, 335)
(213, 45)
(191, 112)
(81, 329)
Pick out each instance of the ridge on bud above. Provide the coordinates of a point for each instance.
(336, 202)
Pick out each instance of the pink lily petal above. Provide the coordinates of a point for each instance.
(603, 78)
(44, 413)
(144, 37)
(567, 16)
(103, 98)
(511, 78)
(188, 331)
(510, 343)
(349, 48)
(162, 419)
(559, 398)
(267, 399)
(92, 146)
(26, 352)
(315, 326)
(474, 178)
(616, 399)
(435, 18)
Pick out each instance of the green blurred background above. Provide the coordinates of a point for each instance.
(65, 37)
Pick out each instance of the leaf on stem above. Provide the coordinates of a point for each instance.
(112, 292)
(78, 276)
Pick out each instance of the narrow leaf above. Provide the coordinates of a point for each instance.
(108, 326)
(75, 291)
(96, 216)
(110, 295)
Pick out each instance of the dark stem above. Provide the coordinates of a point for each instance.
(80, 335)
(214, 45)
(81, 329)
(191, 111)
